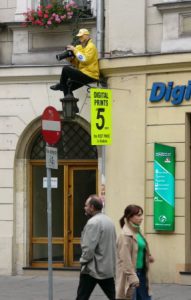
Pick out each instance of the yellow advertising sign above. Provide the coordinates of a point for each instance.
(101, 116)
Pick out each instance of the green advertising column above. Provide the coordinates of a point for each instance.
(164, 187)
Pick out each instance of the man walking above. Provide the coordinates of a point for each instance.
(98, 252)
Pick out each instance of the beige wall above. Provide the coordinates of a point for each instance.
(124, 164)
(139, 26)
(24, 94)
(7, 10)
(39, 46)
(167, 124)
(154, 25)
(137, 124)
(125, 26)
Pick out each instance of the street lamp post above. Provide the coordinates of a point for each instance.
(69, 103)
(69, 106)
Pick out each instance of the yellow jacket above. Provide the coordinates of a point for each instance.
(86, 59)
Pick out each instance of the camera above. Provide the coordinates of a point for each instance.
(65, 54)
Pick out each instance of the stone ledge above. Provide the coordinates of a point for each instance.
(36, 45)
(185, 272)
(173, 6)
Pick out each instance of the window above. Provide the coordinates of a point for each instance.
(176, 26)
(74, 144)
(76, 178)
(23, 5)
(185, 24)
(84, 4)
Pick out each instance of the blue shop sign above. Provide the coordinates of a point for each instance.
(174, 94)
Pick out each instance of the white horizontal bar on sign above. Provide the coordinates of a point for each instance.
(51, 125)
(53, 182)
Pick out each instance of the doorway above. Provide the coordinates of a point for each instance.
(76, 177)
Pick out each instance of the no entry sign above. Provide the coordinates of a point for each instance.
(51, 125)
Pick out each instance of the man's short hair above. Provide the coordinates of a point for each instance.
(96, 202)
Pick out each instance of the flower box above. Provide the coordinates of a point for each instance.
(52, 15)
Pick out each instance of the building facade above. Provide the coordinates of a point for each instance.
(149, 43)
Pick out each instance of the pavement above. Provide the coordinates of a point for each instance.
(22, 287)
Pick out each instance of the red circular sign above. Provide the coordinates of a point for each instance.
(51, 125)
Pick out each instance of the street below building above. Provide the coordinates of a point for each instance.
(64, 288)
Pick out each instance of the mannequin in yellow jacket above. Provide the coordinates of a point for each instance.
(84, 66)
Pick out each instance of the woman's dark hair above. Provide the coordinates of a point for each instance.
(130, 211)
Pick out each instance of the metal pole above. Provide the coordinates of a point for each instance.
(100, 27)
(49, 223)
(103, 165)
(100, 5)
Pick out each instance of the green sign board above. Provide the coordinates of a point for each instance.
(101, 118)
(164, 187)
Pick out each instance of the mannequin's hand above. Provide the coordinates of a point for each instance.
(151, 259)
(70, 47)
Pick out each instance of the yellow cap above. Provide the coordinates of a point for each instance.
(82, 32)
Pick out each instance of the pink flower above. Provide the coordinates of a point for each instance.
(50, 15)
(57, 19)
(70, 14)
(40, 13)
(49, 6)
(73, 4)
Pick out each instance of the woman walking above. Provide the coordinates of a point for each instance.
(133, 258)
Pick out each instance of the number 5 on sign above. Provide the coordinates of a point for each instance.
(101, 116)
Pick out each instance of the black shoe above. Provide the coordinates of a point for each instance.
(55, 87)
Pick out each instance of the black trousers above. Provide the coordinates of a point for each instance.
(77, 79)
(88, 283)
